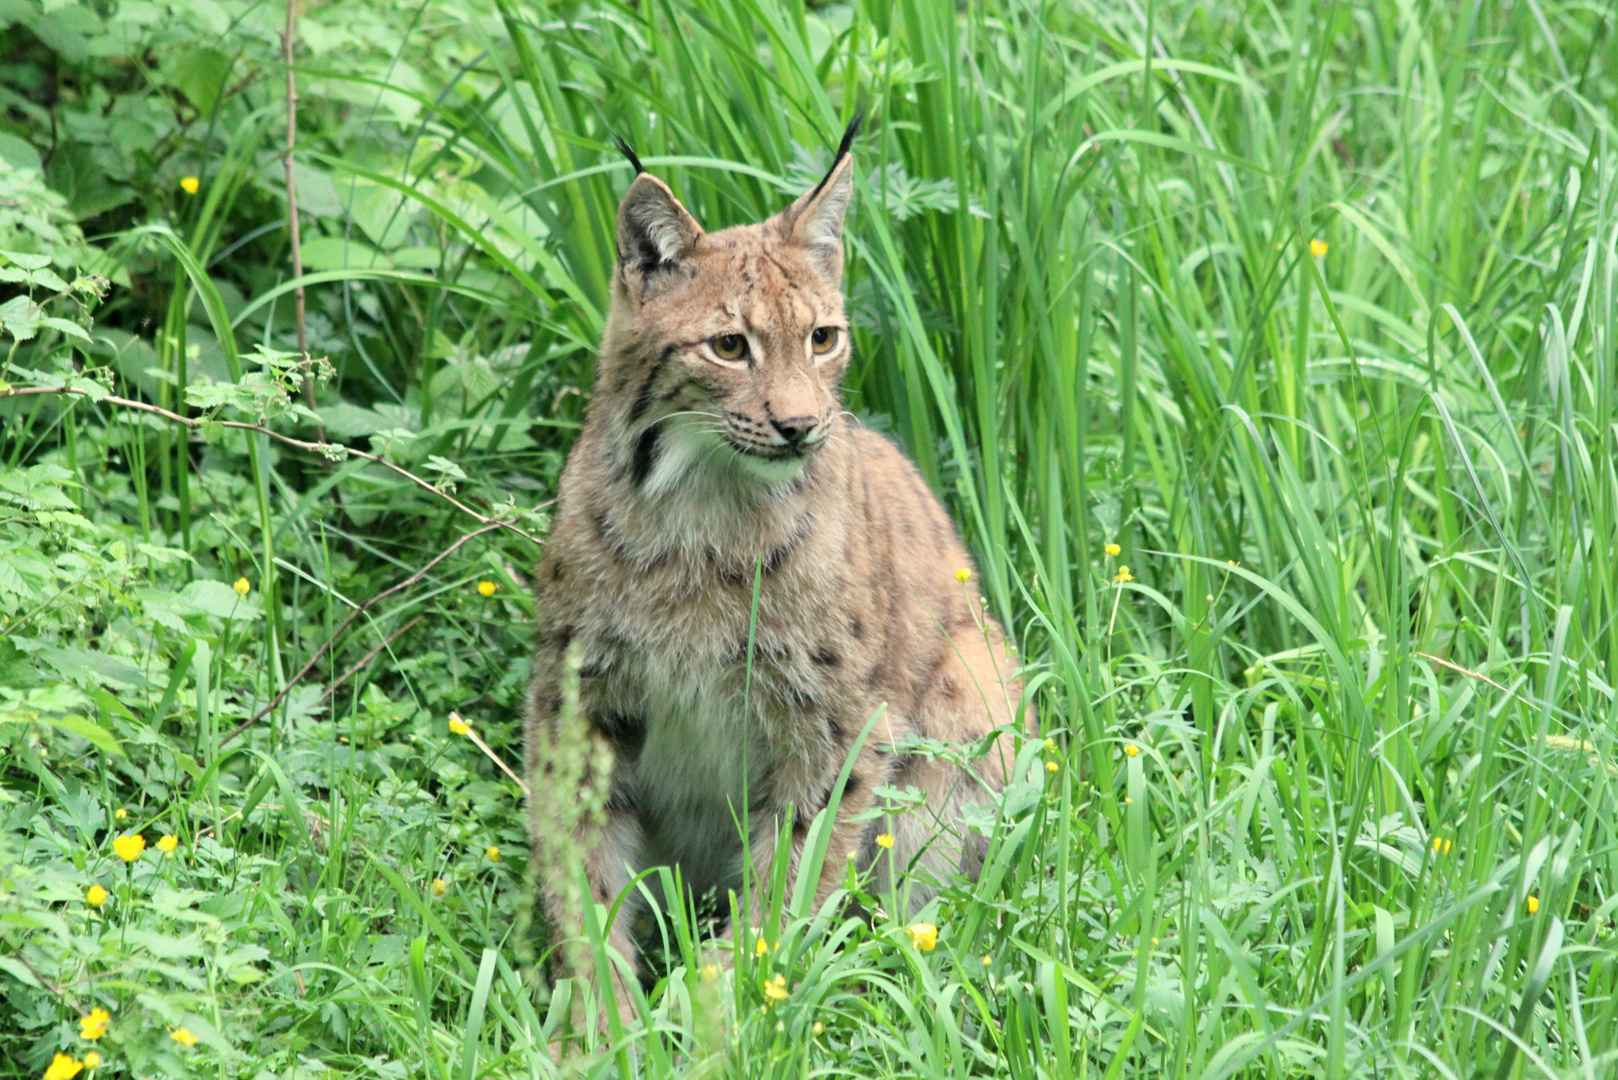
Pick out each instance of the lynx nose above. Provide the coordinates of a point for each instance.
(795, 429)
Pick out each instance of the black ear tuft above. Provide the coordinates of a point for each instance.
(629, 151)
(843, 148)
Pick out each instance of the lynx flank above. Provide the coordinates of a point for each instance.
(716, 445)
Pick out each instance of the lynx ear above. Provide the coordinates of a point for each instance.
(654, 230)
(815, 220)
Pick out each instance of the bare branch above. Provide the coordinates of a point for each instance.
(321, 448)
(288, 36)
(341, 630)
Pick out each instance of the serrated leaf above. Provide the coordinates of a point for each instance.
(218, 599)
(90, 732)
(66, 326)
(28, 260)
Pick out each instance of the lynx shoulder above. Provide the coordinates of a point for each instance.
(717, 454)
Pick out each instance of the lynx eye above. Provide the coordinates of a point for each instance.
(729, 346)
(823, 339)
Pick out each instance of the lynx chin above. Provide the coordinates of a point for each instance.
(716, 448)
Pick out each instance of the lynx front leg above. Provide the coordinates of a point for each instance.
(846, 842)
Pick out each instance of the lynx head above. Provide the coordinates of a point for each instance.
(724, 350)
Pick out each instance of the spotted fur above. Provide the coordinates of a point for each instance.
(694, 473)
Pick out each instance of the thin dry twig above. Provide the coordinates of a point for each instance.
(341, 630)
(288, 36)
(472, 733)
(368, 657)
(322, 448)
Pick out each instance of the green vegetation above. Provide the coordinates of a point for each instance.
(1311, 309)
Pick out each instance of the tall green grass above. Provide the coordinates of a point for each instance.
(1310, 309)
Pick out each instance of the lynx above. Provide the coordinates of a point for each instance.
(716, 456)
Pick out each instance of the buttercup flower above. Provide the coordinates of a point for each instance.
(459, 726)
(709, 972)
(761, 947)
(242, 586)
(776, 988)
(987, 959)
(1123, 575)
(1050, 744)
(438, 886)
(63, 1067)
(1051, 766)
(493, 853)
(1131, 749)
(183, 1036)
(1113, 550)
(923, 935)
(1317, 248)
(963, 575)
(1533, 904)
(96, 896)
(486, 588)
(1441, 846)
(129, 847)
(190, 185)
(885, 840)
(91, 1060)
(94, 1025)
(120, 813)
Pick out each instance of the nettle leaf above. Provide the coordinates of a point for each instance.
(19, 317)
(207, 597)
(445, 467)
(28, 260)
(71, 329)
(80, 664)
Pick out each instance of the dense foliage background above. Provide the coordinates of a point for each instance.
(1309, 309)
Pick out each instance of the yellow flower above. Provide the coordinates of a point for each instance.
(439, 886)
(1123, 575)
(923, 935)
(242, 586)
(987, 959)
(120, 813)
(761, 947)
(493, 853)
(819, 1027)
(776, 988)
(1131, 749)
(63, 1067)
(1051, 766)
(1533, 904)
(91, 1060)
(1441, 846)
(1317, 248)
(1113, 551)
(96, 896)
(709, 972)
(190, 184)
(183, 1036)
(459, 726)
(167, 842)
(486, 588)
(885, 840)
(963, 575)
(129, 847)
(94, 1025)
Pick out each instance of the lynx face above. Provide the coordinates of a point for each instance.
(728, 346)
